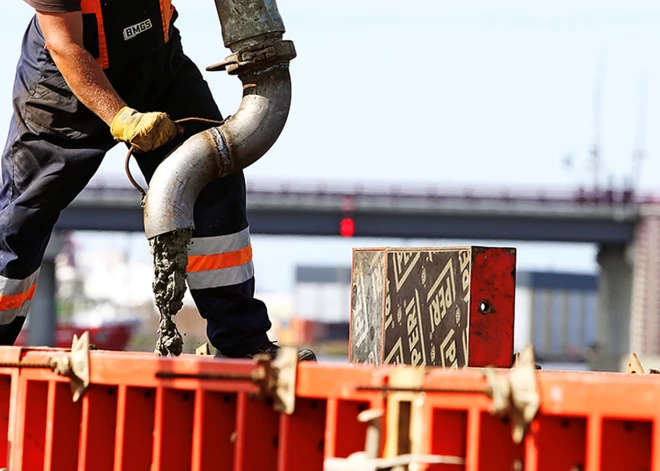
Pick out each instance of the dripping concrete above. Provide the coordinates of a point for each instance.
(253, 30)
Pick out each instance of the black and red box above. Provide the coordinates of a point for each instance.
(451, 307)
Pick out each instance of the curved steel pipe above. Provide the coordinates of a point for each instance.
(259, 121)
(219, 151)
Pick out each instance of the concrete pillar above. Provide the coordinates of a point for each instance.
(43, 314)
(645, 323)
(614, 307)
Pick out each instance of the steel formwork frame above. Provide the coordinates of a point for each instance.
(129, 419)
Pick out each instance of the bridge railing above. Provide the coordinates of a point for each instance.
(416, 190)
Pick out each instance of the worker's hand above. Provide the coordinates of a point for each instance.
(143, 131)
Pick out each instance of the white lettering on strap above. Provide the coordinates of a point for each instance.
(133, 31)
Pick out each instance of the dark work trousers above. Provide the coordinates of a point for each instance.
(56, 144)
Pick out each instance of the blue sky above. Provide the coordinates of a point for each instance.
(471, 92)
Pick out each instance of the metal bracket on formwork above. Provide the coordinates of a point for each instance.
(635, 366)
(203, 350)
(368, 459)
(403, 408)
(259, 56)
(516, 394)
(275, 378)
(516, 360)
(360, 462)
(74, 365)
(405, 397)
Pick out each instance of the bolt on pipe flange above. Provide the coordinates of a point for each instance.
(257, 57)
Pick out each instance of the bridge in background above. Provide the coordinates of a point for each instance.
(281, 208)
(625, 226)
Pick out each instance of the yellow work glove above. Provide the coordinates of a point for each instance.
(143, 131)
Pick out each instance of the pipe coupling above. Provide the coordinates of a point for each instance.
(257, 57)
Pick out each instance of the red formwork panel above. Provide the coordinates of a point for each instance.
(131, 420)
(586, 421)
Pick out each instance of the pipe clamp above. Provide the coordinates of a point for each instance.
(258, 57)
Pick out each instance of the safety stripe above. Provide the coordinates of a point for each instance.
(219, 244)
(220, 261)
(219, 278)
(9, 302)
(7, 317)
(199, 263)
(94, 6)
(10, 286)
(167, 12)
(15, 297)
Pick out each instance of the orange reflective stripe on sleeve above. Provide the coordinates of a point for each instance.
(94, 6)
(14, 301)
(197, 263)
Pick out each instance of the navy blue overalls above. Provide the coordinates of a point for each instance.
(56, 144)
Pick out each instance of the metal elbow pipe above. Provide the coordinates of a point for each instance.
(261, 117)
(253, 30)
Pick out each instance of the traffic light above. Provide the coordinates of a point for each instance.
(347, 227)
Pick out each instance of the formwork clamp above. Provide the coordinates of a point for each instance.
(516, 394)
(369, 460)
(275, 378)
(73, 364)
(635, 366)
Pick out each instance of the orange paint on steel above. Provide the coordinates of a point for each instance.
(531, 456)
(135, 428)
(594, 437)
(213, 431)
(471, 434)
(97, 428)
(62, 428)
(173, 429)
(257, 439)
(28, 442)
(5, 400)
(655, 445)
(304, 430)
(130, 420)
(625, 444)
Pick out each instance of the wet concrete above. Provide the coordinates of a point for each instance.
(170, 254)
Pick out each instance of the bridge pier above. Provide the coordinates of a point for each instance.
(614, 308)
(43, 312)
(645, 322)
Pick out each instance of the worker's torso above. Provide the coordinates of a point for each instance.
(117, 32)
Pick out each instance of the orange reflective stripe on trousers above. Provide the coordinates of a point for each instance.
(220, 261)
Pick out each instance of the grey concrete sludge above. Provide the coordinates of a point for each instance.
(170, 254)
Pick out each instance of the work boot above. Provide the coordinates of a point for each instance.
(269, 348)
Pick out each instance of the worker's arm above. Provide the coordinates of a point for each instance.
(64, 33)
(64, 40)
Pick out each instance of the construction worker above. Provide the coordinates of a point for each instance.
(93, 73)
